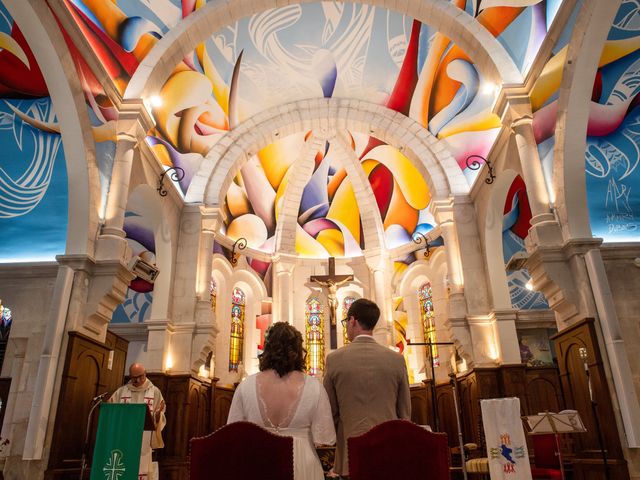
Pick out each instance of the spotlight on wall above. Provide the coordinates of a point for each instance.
(143, 269)
(518, 261)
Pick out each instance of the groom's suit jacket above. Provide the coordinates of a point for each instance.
(367, 385)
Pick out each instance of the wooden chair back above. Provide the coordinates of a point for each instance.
(242, 451)
(399, 449)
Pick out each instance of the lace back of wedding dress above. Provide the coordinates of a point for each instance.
(279, 397)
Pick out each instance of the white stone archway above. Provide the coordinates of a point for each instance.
(255, 292)
(433, 270)
(492, 59)
(574, 105)
(498, 286)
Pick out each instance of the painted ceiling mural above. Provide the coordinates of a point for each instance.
(613, 132)
(515, 228)
(519, 25)
(33, 177)
(324, 49)
(122, 33)
(329, 222)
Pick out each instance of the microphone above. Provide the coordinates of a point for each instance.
(100, 397)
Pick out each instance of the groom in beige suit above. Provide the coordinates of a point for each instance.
(366, 382)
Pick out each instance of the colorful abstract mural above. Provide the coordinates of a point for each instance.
(33, 175)
(520, 26)
(613, 132)
(544, 98)
(329, 222)
(287, 54)
(515, 228)
(612, 154)
(136, 307)
(122, 33)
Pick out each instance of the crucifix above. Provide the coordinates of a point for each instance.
(331, 282)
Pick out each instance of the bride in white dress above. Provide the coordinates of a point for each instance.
(285, 401)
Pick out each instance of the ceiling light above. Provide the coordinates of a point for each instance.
(489, 88)
(529, 285)
(155, 101)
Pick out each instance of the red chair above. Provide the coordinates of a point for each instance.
(546, 459)
(242, 451)
(399, 449)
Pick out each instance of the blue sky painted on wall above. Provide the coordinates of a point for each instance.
(33, 180)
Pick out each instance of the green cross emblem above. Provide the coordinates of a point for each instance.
(114, 468)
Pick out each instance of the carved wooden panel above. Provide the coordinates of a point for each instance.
(221, 401)
(187, 400)
(447, 413)
(420, 405)
(588, 463)
(543, 391)
(90, 369)
(5, 386)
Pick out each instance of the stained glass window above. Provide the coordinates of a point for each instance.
(5, 328)
(346, 303)
(213, 294)
(237, 329)
(314, 336)
(428, 318)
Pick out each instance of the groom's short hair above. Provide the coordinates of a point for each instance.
(365, 312)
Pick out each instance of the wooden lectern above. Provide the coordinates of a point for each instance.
(567, 421)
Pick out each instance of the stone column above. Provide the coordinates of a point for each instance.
(133, 124)
(379, 265)
(206, 327)
(48, 365)
(283, 267)
(160, 358)
(544, 226)
(506, 336)
(443, 213)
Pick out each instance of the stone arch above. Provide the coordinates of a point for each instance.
(498, 285)
(49, 48)
(255, 291)
(433, 270)
(435, 164)
(491, 57)
(574, 104)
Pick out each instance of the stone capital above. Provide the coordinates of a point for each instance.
(442, 210)
(513, 104)
(134, 120)
(210, 218)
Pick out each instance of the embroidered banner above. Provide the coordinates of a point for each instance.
(506, 442)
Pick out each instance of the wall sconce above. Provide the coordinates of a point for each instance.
(240, 244)
(419, 237)
(177, 174)
(475, 165)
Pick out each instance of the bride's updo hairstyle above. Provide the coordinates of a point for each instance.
(283, 350)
